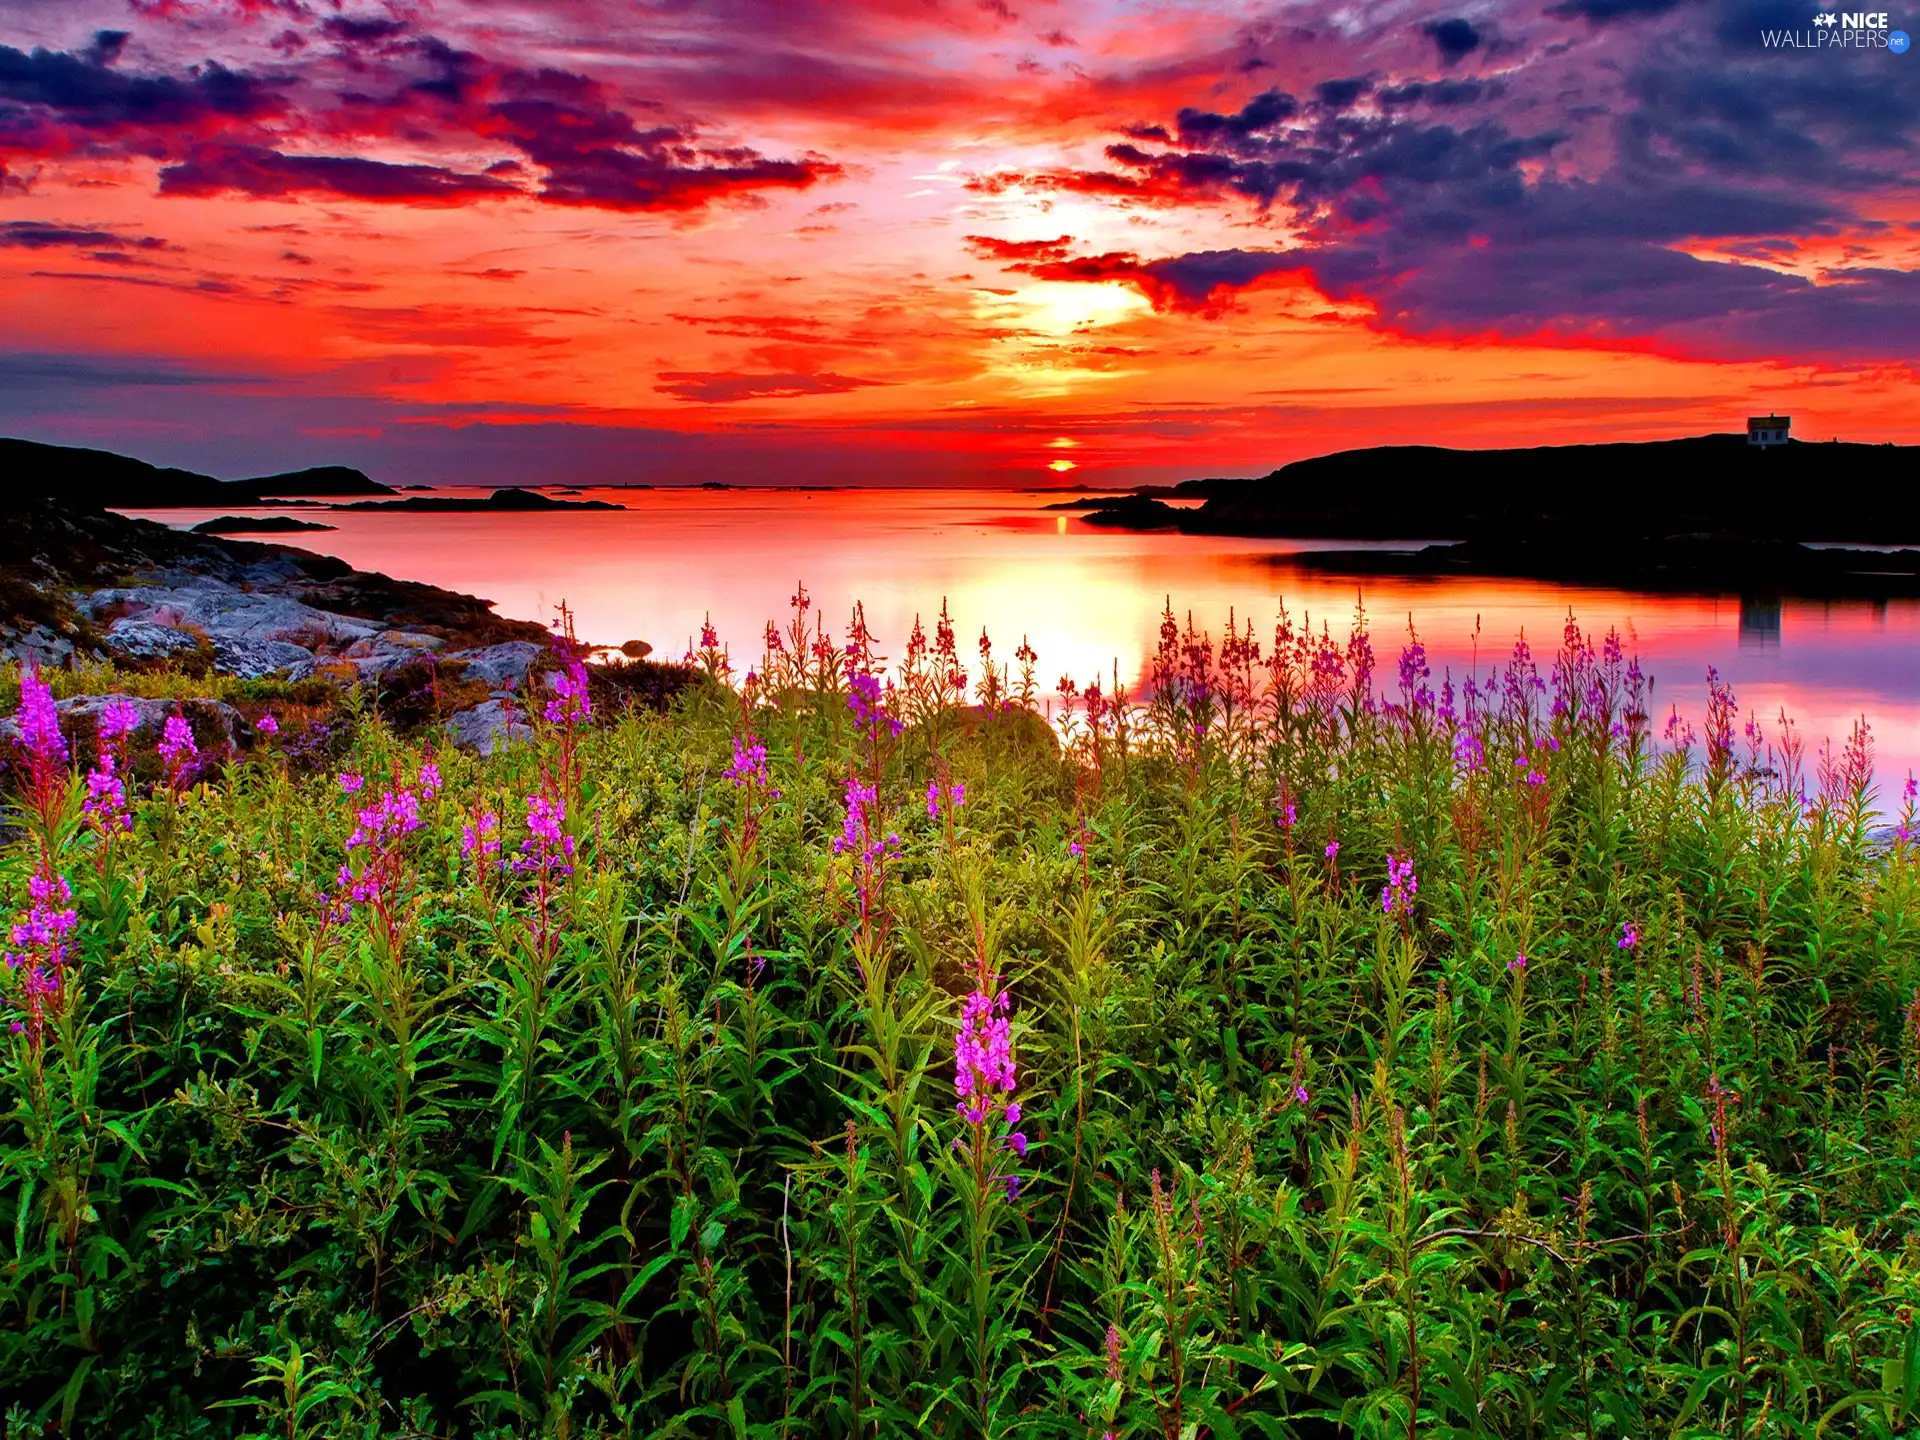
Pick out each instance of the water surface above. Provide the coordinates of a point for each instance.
(1086, 597)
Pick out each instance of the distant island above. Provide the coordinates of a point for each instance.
(256, 525)
(498, 500)
(99, 477)
(1710, 511)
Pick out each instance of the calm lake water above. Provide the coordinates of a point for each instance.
(1085, 597)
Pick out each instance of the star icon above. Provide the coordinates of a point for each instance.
(1825, 18)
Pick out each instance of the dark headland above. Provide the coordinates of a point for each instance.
(498, 500)
(256, 525)
(1708, 512)
(99, 477)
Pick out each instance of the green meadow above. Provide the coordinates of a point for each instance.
(1292, 1048)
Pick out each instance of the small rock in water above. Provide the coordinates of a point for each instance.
(636, 649)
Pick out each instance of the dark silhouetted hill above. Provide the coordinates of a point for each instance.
(1707, 484)
(99, 477)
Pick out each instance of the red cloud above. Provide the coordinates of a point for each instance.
(719, 387)
(267, 174)
(986, 247)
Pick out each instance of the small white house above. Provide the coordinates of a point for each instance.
(1766, 430)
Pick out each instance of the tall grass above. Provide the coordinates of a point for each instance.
(1273, 1052)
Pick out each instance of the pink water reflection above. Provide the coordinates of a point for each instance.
(1086, 597)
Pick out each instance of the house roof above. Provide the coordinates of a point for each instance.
(1769, 422)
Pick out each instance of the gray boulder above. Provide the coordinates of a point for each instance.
(376, 654)
(252, 659)
(501, 667)
(219, 610)
(149, 640)
(488, 728)
(38, 644)
(214, 721)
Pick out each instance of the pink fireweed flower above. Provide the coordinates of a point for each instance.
(351, 781)
(177, 750)
(1114, 1370)
(983, 1063)
(1402, 885)
(395, 813)
(45, 750)
(39, 721)
(106, 803)
(868, 702)
(1629, 936)
(951, 796)
(861, 837)
(548, 849)
(983, 1080)
(749, 767)
(1518, 963)
(118, 720)
(546, 857)
(43, 939)
(379, 831)
(480, 836)
(1301, 1095)
(1469, 754)
(429, 780)
(266, 725)
(570, 704)
(853, 828)
(1333, 850)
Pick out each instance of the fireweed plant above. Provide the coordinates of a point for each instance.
(1283, 1045)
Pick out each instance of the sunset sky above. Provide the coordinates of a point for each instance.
(940, 241)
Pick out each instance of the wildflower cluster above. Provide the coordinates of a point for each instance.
(949, 797)
(1402, 885)
(179, 752)
(107, 805)
(748, 771)
(984, 1076)
(42, 949)
(378, 868)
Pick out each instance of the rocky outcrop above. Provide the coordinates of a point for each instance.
(215, 723)
(133, 638)
(489, 727)
(79, 580)
(500, 667)
(378, 653)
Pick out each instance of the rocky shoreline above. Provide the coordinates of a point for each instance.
(79, 583)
